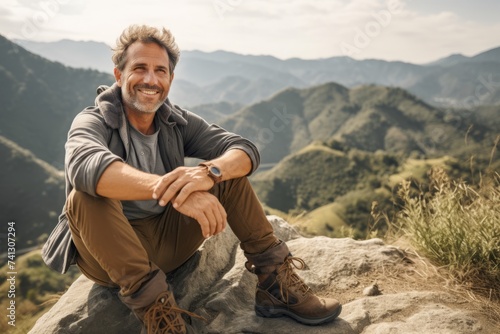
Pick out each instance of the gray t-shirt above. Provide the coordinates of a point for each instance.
(145, 156)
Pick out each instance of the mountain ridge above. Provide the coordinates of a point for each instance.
(367, 117)
(41, 98)
(41, 94)
(219, 75)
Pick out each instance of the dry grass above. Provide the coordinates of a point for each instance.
(457, 227)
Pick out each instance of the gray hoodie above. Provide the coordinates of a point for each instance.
(99, 136)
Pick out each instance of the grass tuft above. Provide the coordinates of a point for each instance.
(457, 226)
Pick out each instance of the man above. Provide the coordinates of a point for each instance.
(133, 213)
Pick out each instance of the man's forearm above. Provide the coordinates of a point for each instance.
(233, 164)
(124, 182)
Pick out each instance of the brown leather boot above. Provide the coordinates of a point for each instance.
(281, 292)
(154, 305)
(164, 316)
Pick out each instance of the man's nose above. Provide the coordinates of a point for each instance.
(150, 77)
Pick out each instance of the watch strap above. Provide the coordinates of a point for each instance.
(216, 177)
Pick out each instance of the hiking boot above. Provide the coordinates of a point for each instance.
(164, 316)
(281, 292)
(154, 305)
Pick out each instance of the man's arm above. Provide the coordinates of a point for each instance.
(233, 164)
(178, 185)
(209, 141)
(124, 182)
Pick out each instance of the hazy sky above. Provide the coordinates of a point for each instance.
(415, 31)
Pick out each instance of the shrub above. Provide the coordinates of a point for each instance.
(457, 227)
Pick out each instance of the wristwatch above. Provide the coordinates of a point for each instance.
(213, 171)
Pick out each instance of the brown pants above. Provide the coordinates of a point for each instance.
(113, 251)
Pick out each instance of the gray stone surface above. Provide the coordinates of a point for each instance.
(216, 285)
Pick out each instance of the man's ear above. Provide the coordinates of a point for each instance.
(118, 76)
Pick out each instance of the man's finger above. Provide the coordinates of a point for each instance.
(220, 214)
(204, 225)
(171, 192)
(183, 195)
(161, 186)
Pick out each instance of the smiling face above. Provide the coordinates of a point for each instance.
(145, 80)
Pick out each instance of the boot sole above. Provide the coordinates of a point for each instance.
(276, 312)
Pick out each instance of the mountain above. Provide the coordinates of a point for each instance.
(450, 60)
(463, 85)
(368, 118)
(348, 128)
(73, 53)
(207, 77)
(32, 193)
(40, 99)
(492, 55)
(335, 150)
(215, 112)
(319, 174)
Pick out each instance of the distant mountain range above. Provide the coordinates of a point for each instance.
(368, 118)
(40, 98)
(323, 140)
(201, 77)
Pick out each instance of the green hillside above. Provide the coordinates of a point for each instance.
(368, 118)
(40, 99)
(32, 193)
(332, 188)
(330, 144)
(37, 288)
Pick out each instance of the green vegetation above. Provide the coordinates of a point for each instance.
(40, 98)
(332, 187)
(457, 226)
(368, 118)
(337, 152)
(32, 194)
(37, 289)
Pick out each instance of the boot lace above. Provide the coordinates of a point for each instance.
(289, 280)
(164, 316)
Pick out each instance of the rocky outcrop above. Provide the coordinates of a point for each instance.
(215, 284)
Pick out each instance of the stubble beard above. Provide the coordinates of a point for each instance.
(139, 106)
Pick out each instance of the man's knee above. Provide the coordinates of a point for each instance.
(82, 205)
(239, 184)
(77, 197)
(82, 198)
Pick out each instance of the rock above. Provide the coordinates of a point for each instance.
(372, 290)
(215, 284)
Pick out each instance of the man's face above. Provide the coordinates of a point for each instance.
(145, 80)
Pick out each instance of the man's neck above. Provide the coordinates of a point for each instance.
(143, 122)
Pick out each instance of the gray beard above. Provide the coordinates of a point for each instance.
(127, 97)
(141, 108)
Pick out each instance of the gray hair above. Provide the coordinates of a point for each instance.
(145, 34)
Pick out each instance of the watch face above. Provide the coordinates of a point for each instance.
(215, 171)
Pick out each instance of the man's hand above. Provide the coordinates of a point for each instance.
(207, 210)
(179, 184)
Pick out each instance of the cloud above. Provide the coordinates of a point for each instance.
(423, 38)
(283, 28)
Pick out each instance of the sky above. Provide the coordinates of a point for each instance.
(415, 31)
